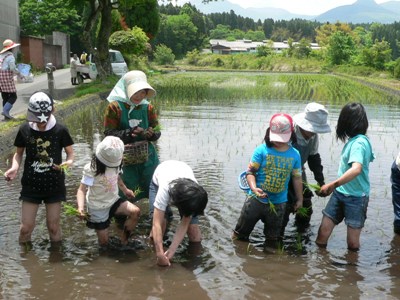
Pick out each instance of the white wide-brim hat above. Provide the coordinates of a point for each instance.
(313, 119)
(7, 45)
(136, 81)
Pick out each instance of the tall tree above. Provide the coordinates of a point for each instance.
(40, 18)
(143, 14)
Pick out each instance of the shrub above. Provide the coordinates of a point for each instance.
(193, 57)
(163, 55)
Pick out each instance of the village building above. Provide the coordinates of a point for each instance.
(248, 46)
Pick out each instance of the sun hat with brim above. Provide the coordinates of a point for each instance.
(40, 107)
(280, 128)
(313, 119)
(110, 151)
(7, 45)
(136, 81)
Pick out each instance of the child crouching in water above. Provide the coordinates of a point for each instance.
(99, 189)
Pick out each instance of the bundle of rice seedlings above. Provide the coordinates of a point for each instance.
(312, 186)
(303, 211)
(157, 128)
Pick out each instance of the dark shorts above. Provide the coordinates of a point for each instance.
(9, 97)
(42, 199)
(254, 211)
(106, 224)
(352, 209)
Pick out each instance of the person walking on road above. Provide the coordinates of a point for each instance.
(73, 64)
(7, 71)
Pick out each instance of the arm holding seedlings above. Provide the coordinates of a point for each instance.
(127, 192)
(80, 200)
(64, 167)
(251, 180)
(348, 176)
(11, 173)
(298, 188)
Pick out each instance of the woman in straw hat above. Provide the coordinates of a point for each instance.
(132, 118)
(7, 71)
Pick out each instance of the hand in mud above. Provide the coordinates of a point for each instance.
(162, 260)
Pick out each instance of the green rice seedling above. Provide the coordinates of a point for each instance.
(137, 191)
(65, 169)
(299, 244)
(71, 210)
(248, 251)
(280, 248)
(157, 128)
(303, 211)
(272, 207)
(312, 186)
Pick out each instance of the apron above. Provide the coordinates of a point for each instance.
(138, 175)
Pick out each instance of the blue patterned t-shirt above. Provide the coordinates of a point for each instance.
(273, 170)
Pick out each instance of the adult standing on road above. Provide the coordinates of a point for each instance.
(7, 71)
(74, 73)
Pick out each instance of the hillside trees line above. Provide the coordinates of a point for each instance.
(184, 29)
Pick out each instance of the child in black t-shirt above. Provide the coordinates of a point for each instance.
(43, 180)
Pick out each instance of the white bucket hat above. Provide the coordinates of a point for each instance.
(110, 151)
(136, 81)
(7, 45)
(313, 119)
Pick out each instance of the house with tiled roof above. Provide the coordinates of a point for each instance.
(248, 46)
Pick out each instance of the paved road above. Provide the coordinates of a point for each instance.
(62, 89)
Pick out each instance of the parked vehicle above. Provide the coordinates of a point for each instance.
(89, 70)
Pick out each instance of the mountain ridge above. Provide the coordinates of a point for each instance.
(362, 11)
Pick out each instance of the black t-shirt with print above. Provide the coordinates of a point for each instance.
(42, 150)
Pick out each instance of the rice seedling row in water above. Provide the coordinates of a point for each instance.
(183, 87)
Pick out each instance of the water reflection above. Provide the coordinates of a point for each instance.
(217, 141)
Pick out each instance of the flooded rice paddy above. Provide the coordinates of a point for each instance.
(217, 140)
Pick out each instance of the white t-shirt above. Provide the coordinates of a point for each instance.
(398, 161)
(103, 189)
(165, 173)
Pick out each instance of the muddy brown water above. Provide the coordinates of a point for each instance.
(217, 141)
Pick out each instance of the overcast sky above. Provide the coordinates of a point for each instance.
(306, 7)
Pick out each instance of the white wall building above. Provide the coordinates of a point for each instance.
(9, 21)
(248, 46)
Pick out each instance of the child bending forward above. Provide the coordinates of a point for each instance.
(99, 187)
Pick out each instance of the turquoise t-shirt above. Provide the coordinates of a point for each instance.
(357, 149)
(273, 170)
